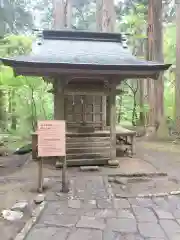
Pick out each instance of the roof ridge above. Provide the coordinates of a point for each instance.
(81, 36)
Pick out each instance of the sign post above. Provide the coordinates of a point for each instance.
(40, 175)
(52, 143)
(65, 187)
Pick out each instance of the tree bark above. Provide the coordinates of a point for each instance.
(62, 14)
(68, 13)
(33, 111)
(141, 87)
(177, 81)
(155, 89)
(105, 15)
(158, 56)
(99, 13)
(150, 82)
(59, 14)
(108, 16)
(14, 117)
(105, 22)
(141, 102)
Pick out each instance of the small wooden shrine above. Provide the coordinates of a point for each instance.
(85, 68)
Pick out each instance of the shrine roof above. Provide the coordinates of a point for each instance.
(82, 50)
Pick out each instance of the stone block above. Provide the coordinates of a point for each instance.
(122, 225)
(91, 222)
(82, 234)
(59, 220)
(120, 180)
(39, 198)
(121, 203)
(113, 163)
(12, 215)
(162, 214)
(144, 214)
(20, 206)
(125, 213)
(151, 230)
(74, 203)
(89, 168)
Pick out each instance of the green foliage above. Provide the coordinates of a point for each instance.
(15, 45)
(37, 102)
(169, 100)
(170, 57)
(170, 43)
(25, 99)
(133, 20)
(84, 16)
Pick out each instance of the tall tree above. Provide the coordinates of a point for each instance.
(99, 13)
(158, 56)
(62, 13)
(177, 81)
(141, 86)
(105, 21)
(155, 52)
(108, 16)
(59, 14)
(105, 15)
(69, 13)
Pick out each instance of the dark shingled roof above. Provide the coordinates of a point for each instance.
(68, 49)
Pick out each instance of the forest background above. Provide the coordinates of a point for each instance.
(25, 100)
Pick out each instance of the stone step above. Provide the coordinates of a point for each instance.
(88, 144)
(89, 168)
(87, 150)
(85, 162)
(91, 134)
(90, 155)
(87, 139)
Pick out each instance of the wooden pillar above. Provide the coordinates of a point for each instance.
(58, 100)
(59, 114)
(34, 146)
(112, 105)
(103, 112)
(107, 111)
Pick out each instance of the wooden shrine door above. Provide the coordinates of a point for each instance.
(85, 110)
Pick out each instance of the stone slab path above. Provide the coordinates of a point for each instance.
(90, 211)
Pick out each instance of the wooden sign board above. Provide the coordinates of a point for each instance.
(51, 138)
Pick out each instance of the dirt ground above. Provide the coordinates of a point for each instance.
(164, 156)
(19, 174)
(19, 177)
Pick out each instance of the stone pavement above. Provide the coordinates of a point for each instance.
(91, 212)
